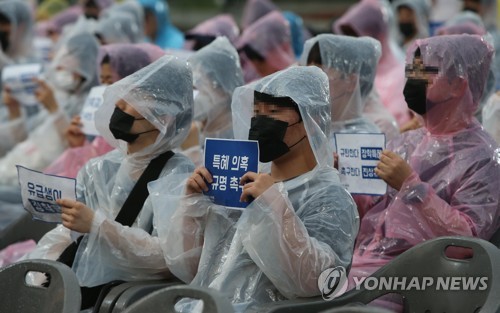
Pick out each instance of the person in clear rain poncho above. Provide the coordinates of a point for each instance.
(301, 220)
(216, 73)
(349, 63)
(369, 18)
(117, 62)
(266, 46)
(118, 27)
(413, 20)
(16, 32)
(144, 115)
(37, 140)
(443, 177)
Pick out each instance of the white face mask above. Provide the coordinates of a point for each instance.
(65, 80)
(200, 105)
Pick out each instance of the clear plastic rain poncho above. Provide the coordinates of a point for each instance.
(270, 37)
(351, 64)
(167, 35)
(216, 73)
(118, 27)
(254, 10)
(162, 93)
(491, 111)
(131, 7)
(421, 11)
(454, 187)
(21, 34)
(368, 18)
(45, 141)
(220, 25)
(124, 60)
(277, 247)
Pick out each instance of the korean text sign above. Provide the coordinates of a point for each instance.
(20, 80)
(92, 104)
(227, 161)
(358, 158)
(40, 191)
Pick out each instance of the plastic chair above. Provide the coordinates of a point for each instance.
(428, 259)
(123, 295)
(164, 300)
(62, 295)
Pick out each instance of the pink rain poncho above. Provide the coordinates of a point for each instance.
(454, 186)
(368, 18)
(270, 37)
(207, 31)
(125, 59)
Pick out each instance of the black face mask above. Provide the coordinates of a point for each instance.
(121, 123)
(270, 133)
(4, 41)
(415, 93)
(407, 29)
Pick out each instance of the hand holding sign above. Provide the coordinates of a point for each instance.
(198, 182)
(393, 169)
(45, 95)
(76, 215)
(254, 185)
(74, 134)
(11, 103)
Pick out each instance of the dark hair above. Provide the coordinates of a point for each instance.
(4, 19)
(106, 59)
(200, 41)
(418, 53)
(251, 53)
(315, 55)
(285, 102)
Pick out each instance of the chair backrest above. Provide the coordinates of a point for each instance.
(61, 295)
(465, 283)
(434, 280)
(164, 300)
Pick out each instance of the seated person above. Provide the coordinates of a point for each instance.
(444, 177)
(216, 73)
(266, 46)
(118, 61)
(299, 222)
(145, 116)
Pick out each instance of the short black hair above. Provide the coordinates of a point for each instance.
(200, 41)
(251, 53)
(285, 102)
(315, 55)
(4, 19)
(106, 59)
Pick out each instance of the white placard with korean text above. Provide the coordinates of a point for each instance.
(40, 191)
(92, 104)
(359, 155)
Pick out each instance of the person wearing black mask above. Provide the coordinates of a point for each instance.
(299, 221)
(413, 20)
(145, 116)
